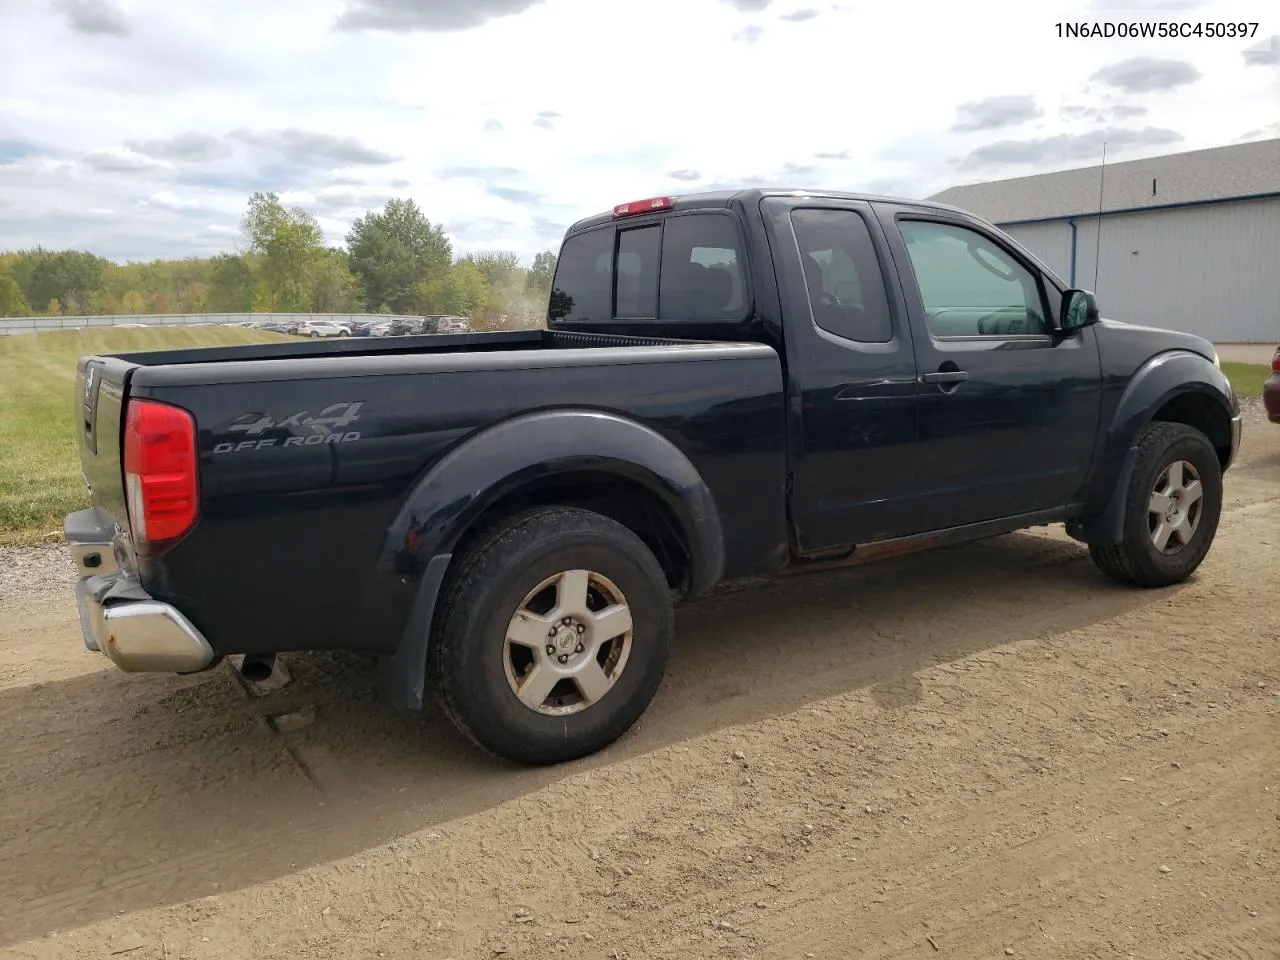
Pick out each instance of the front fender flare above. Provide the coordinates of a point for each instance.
(498, 460)
(1159, 380)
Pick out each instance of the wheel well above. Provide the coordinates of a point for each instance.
(626, 501)
(1205, 415)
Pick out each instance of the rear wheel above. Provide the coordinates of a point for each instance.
(1172, 509)
(554, 635)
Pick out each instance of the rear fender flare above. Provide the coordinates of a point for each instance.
(457, 490)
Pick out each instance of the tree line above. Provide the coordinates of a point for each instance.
(395, 261)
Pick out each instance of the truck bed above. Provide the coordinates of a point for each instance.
(309, 452)
(474, 342)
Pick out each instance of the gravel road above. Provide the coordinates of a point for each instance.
(984, 751)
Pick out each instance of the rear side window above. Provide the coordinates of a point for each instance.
(583, 285)
(702, 269)
(842, 273)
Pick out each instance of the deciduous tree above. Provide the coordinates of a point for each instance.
(12, 302)
(290, 243)
(395, 251)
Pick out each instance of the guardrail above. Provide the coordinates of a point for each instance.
(10, 326)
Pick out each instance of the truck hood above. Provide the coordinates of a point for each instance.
(1135, 342)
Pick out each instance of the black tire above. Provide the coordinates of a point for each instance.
(467, 659)
(1135, 560)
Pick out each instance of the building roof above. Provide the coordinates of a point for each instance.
(1239, 170)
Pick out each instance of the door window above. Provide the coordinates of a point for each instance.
(970, 286)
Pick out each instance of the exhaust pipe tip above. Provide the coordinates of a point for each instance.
(257, 669)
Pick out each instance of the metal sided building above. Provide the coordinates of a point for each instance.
(1189, 241)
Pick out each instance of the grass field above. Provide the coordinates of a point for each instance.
(1247, 378)
(40, 478)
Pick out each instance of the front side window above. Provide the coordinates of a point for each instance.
(970, 287)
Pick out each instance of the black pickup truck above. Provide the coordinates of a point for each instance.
(730, 385)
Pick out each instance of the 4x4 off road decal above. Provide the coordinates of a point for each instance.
(306, 429)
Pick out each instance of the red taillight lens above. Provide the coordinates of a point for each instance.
(160, 474)
(1275, 362)
(642, 206)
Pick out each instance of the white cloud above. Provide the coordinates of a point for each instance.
(168, 200)
(508, 119)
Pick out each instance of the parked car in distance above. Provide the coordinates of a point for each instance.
(1271, 390)
(323, 328)
(454, 325)
(405, 326)
(752, 383)
(282, 326)
(380, 329)
(362, 328)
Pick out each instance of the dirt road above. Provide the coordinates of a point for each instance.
(985, 751)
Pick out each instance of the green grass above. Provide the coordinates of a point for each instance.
(1247, 378)
(40, 479)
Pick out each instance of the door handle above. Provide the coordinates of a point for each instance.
(945, 376)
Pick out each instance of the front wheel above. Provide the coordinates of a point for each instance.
(1171, 512)
(553, 637)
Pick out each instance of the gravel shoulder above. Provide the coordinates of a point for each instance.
(983, 749)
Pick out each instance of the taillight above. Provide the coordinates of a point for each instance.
(160, 474)
(1275, 362)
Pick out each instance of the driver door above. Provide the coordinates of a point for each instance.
(1008, 405)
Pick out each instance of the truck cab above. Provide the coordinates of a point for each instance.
(938, 375)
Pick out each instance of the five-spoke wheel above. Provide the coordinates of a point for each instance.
(1175, 507)
(1172, 505)
(568, 642)
(553, 635)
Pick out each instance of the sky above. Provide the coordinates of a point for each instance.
(138, 129)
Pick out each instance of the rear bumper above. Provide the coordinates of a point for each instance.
(118, 618)
(1271, 397)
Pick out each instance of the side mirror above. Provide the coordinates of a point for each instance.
(1079, 309)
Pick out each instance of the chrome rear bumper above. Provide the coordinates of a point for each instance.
(117, 617)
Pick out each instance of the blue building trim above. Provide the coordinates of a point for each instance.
(1071, 222)
(1071, 217)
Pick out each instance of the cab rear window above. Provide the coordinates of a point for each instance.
(583, 286)
(686, 267)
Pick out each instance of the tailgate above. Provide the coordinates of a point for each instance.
(100, 391)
